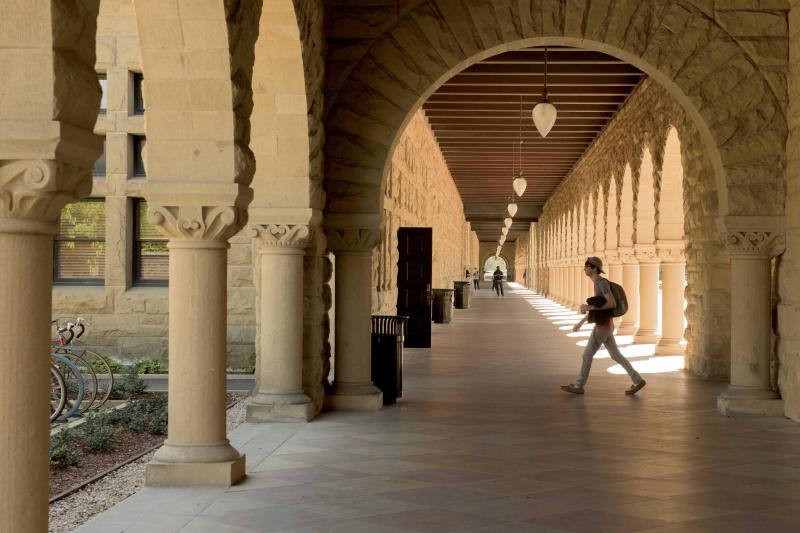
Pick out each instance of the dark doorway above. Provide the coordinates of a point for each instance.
(414, 274)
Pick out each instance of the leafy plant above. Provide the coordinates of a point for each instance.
(97, 432)
(63, 451)
(97, 366)
(148, 415)
(151, 366)
(131, 385)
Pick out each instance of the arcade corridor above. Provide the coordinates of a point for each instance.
(484, 440)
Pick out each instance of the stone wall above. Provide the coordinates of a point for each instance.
(788, 297)
(125, 321)
(419, 193)
(643, 124)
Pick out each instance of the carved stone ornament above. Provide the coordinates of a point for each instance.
(646, 253)
(627, 255)
(194, 222)
(757, 243)
(344, 240)
(270, 236)
(671, 251)
(37, 189)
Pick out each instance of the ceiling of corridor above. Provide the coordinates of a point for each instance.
(477, 121)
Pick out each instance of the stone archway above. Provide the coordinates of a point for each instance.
(697, 66)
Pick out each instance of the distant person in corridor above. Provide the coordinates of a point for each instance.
(497, 282)
(603, 332)
(476, 279)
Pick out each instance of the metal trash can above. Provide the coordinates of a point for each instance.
(462, 291)
(442, 306)
(387, 355)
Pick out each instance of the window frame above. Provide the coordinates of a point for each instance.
(136, 255)
(138, 93)
(105, 164)
(103, 92)
(57, 239)
(136, 155)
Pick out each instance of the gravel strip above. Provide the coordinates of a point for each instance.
(77, 508)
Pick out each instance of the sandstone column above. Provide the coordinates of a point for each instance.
(749, 391)
(613, 266)
(648, 294)
(352, 388)
(673, 283)
(50, 98)
(197, 451)
(630, 282)
(280, 395)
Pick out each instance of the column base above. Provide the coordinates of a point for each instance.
(354, 397)
(750, 406)
(280, 407)
(222, 474)
(646, 336)
(626, 329)
(669, 347)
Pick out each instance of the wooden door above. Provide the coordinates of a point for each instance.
(414, 275)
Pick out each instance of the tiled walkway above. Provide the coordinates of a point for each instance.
(483, 440)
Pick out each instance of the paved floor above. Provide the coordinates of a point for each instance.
(484, 441)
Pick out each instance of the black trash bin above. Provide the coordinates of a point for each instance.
(387, 355)
(442, 305)
(462, 291)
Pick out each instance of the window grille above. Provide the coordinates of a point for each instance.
(79, 249)
(150, 254)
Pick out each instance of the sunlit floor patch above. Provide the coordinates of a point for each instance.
(654, 365)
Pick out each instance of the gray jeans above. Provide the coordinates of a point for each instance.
(599, 337)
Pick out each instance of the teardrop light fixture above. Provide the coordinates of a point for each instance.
(504, 231)
(507, 222)
(512, 209)
(520, 184)
(544, 113)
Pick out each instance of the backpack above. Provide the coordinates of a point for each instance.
(620, 298)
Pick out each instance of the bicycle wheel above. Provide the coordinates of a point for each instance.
(73, 379)
(105, 377)
(89, 378)
(58, 393)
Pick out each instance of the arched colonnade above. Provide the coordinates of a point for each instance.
(235, 138)
(651, 250)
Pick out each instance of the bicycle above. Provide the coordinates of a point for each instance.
(96, 364)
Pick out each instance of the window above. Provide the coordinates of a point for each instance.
(138, 95)
(79, 249)
(139, 144)
(150, 255)
(103, 93)
(99, 170)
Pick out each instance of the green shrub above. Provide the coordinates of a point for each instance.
(151, 366)
(98, 367)
(131, 385)
(63, 451)
(148, 415)
(97, 432)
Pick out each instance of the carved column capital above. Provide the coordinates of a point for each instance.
(197, 222)
(33, 192)
(754, 236)
(671, 251)
(646, 253)
(611, 257)
(627, 255)
(756, 243)
(277, 237)
(352, 239)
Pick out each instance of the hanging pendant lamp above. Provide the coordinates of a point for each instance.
(520, 184)
(544, 113)
(504, 231)
(512, 209)
(507, 221)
